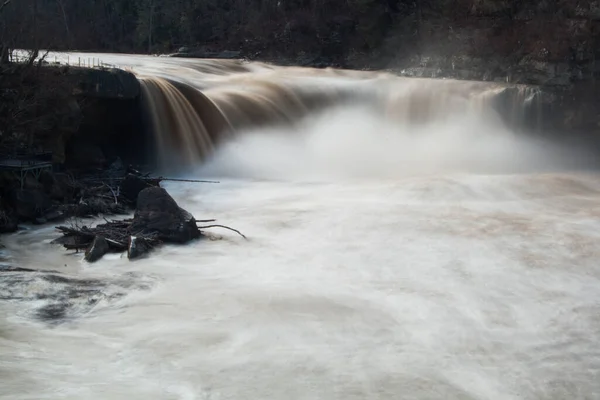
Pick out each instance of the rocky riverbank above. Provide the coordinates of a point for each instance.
(67, 136)
(57, 196)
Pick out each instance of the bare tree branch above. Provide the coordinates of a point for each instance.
(224, 227)
(7, 2)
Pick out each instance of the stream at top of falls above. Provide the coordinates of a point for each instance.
(449, 259)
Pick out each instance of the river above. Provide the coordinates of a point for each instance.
(387, 258)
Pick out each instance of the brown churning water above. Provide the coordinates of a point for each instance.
(196, 108)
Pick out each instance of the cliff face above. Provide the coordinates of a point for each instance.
(551, 43)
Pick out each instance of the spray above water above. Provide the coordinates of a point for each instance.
(269, 122)
(359, 143)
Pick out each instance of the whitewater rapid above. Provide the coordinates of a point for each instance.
(453, 259)
(455, 287)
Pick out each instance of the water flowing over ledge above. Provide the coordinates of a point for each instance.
(196, 112)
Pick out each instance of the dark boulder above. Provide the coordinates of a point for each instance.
(10, 268)
(158, 215)
(55, 214)
(137, 247)
(97, 249)
(73, 242)
(131, 187)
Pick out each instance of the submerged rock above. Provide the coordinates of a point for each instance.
(137, 247)
(158, 215)
(158, 219)
(97, 249)
(10, 268)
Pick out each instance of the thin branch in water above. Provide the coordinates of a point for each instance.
(224, 227)
(186, 180)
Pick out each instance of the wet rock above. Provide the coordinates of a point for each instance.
(72, 242)
(54, 215)
(229, 54)
(56, 298)
(159, 215)
(137, 247)
(10, 268)
(53, 312)
(97, 249)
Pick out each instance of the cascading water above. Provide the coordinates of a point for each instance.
(405, 242)
(195, 107)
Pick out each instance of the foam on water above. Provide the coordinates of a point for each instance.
(420, 288)
(357, 142)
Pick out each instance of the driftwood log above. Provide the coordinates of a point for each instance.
(158, 219)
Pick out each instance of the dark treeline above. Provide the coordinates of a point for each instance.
(163, 25)
(286, 26)
(549, 30)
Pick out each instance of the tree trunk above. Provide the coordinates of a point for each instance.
(4, 54)
(150, 26)
(66, 22)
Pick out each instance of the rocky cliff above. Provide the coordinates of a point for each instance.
(551, 43)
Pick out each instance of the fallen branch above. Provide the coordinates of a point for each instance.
(186, 180)
(7, 2)
(84, 232)
(224, 227)
(113, 193)
(147, 178)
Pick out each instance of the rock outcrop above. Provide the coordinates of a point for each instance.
(158, 219)
(158, 214)
(97, 249)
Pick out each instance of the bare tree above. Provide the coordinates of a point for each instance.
(61, 5)
(4, 49)
(150, 26)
